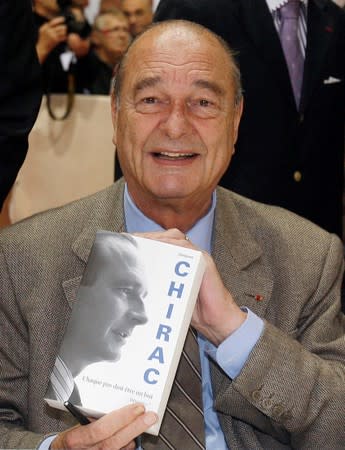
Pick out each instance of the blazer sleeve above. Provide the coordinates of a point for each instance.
(14, 367)
(20, 88)
(293, 385)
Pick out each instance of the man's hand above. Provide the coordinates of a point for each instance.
(216, 314)
(114, 431)
(50, 34)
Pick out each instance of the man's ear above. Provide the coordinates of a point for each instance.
(237, 118)
(114, 115)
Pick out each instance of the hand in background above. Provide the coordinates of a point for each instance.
(50, 34)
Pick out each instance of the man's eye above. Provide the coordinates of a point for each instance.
(149, 104)
(149, 100)
(122, 290)
(204, 102)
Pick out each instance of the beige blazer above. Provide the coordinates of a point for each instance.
(291, 391)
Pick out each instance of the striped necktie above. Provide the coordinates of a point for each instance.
(291, 46)
(61, 381)
(183, 422)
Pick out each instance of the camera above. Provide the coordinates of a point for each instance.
(82, 28)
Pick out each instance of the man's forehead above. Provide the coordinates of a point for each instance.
(163, 50)
(135, 4)
(166, 35)
(111, 19)
(199, 72)
(198, 79)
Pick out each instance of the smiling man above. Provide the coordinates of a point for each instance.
(268, 313)
(176, 125)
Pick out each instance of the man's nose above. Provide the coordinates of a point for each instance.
(137, 312)
(176, 124)
(131, 19)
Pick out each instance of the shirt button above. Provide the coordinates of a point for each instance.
(297, 176)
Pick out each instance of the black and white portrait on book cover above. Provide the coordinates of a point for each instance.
(128, 325)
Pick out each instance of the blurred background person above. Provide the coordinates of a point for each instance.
(20, 88)
(290, 149)
(104, 5)
(110, 39)
(62, 40)
(139, 14)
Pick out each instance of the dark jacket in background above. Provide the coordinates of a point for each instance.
(20, 88)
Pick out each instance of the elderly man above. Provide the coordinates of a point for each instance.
(270, 330)
(139, 14)
(110, 38)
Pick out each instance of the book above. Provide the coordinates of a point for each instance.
(127, 328)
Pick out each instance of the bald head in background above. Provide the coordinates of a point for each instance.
(139, 14)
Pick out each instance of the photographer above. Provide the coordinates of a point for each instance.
(62, 41)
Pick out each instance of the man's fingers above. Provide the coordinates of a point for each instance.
(171, 236)
(57, 21)
(172, 233)
(130, 446)
(124, 437)
(108, 426)
(111, 423)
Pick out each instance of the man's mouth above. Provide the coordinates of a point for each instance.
(174, 156)
(124, 334)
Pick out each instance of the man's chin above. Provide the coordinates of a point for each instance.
(111, 358)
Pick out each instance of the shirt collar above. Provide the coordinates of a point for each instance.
(273, 5)
(200, 234)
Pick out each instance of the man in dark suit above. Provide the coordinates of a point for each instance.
(20, 91)
(268, 312)
(286, 155)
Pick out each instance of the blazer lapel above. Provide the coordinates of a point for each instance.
(70, 288)
(239, 259)
(107, 216)
(241, 262)
(320, 29)
(264, 37)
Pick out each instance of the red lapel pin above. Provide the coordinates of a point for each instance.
(256, 297)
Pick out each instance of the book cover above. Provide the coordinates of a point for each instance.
(128, 326)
